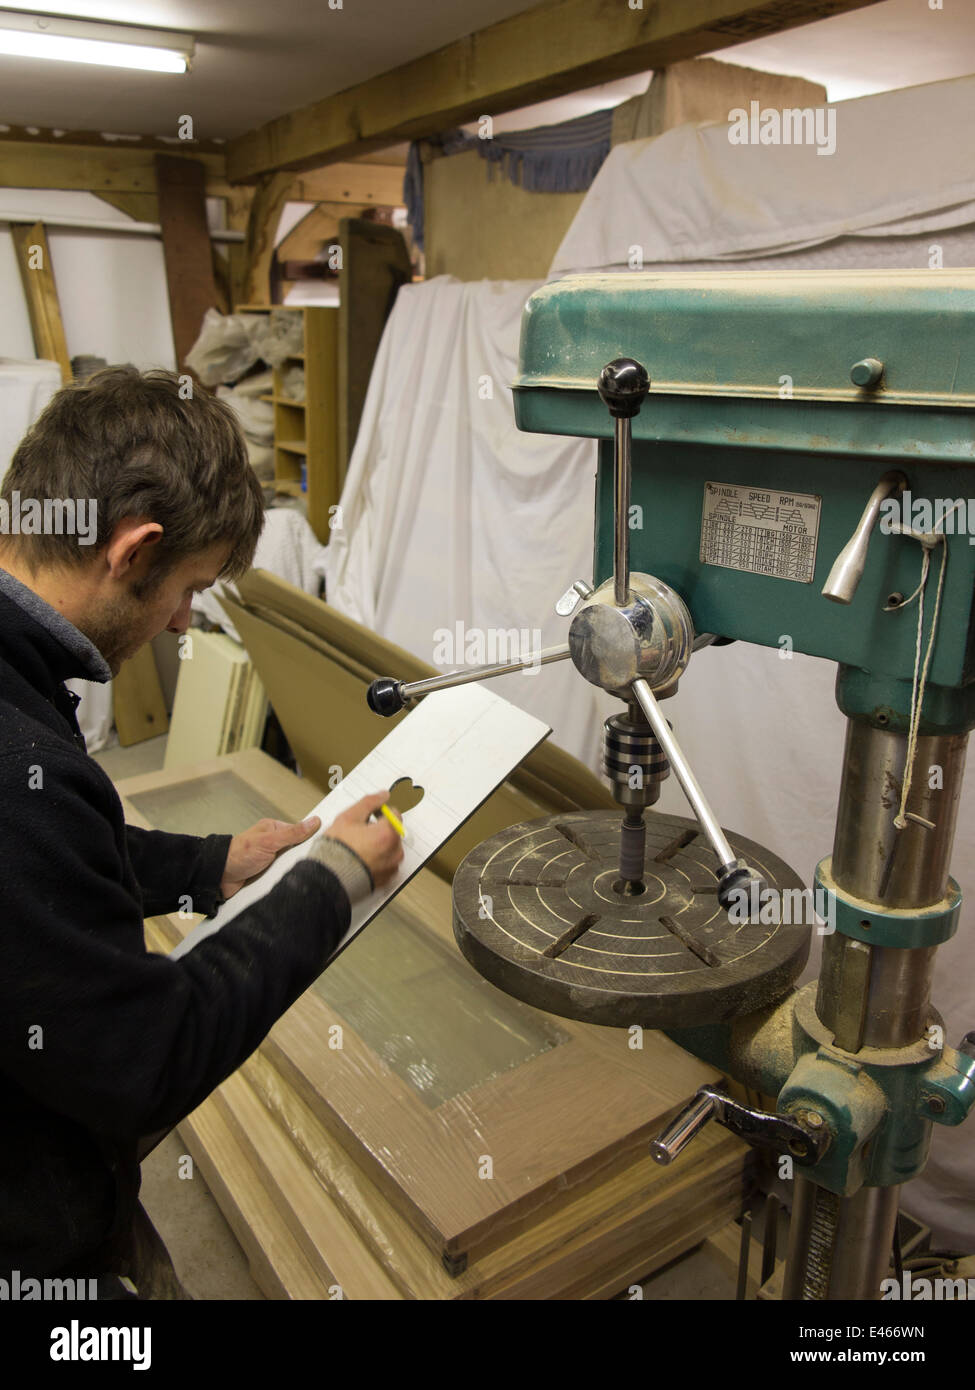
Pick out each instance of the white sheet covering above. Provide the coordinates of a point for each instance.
(450, 514)
(904, 163)
(25, 389)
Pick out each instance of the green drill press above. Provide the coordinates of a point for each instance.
(780, 454)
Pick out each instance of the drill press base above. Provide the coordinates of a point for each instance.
(538, 911)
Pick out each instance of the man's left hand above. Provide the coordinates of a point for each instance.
(254, 850)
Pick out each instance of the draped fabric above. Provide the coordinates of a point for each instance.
(562, 158)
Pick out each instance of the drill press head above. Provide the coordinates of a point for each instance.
(650, 637)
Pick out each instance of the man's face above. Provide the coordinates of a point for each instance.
(137, 611)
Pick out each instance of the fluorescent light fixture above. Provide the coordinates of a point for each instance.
(84, 41)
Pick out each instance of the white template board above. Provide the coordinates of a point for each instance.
(458, 745)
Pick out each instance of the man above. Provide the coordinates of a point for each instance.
(101, 1043)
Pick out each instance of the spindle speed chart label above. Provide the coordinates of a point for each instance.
(760, 531)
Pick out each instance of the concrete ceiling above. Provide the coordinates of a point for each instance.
(257, 60)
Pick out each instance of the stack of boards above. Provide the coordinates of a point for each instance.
(220, 703)
(408, 1131)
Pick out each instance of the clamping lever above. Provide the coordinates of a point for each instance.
(778, 1132)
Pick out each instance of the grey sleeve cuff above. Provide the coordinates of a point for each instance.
(346, 865)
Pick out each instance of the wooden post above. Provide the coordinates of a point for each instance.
(37, 273)
(262, 225)
(181, 186)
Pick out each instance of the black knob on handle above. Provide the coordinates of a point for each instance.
(623, 384)
(740, 891)
(383, 697)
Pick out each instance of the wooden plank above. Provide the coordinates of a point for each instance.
(277, 1264)
(617, 1231)
(601, 1261)
(547, 51)
(568, 1104)
(375, 262)
(140, 710)
(181, 186)
(115, 168)
(580, 1242)
(43, 308)
(328, 1241)
(614, 1231)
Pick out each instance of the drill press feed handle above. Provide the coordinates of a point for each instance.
(781, 1133)
(387, 696)
(849, 565)
(623, 385)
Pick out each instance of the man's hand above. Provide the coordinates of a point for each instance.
(254, 850)
(377, 844)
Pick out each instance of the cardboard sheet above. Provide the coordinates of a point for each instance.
(458, 745)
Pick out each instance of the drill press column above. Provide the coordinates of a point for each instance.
(875, 996)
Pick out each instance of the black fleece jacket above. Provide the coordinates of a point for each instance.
(102, 1043)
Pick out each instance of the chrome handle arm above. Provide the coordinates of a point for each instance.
(848, 566)
(387, 696)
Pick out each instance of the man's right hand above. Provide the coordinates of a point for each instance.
(375, 842)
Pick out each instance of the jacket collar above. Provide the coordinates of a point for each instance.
(40, 643)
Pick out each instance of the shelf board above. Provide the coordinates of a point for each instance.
(292, 446)
(289, 485)
(285, 400)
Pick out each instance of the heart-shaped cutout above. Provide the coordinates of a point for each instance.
(403, 795)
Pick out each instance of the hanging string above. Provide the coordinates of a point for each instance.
(921, 672)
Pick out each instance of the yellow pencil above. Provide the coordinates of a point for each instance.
(394, 821)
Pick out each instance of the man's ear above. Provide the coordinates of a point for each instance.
(130, 547)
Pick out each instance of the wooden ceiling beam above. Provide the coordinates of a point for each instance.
(53, 135)
(542, 53)
(97, 169)
(122, 172)
(379, 185)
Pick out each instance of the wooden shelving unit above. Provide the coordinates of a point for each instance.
(306, 432)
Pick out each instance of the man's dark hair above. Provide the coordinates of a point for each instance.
(130, 441)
